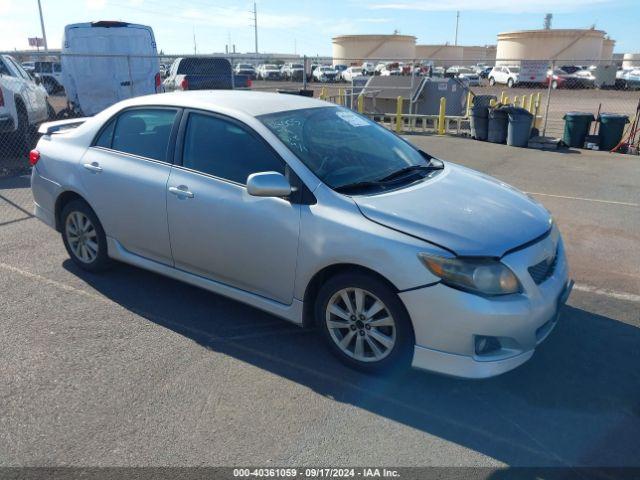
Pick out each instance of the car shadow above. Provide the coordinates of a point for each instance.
(575, 403)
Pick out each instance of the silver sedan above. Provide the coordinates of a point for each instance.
(315, 214)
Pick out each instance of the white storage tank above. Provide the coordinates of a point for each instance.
(355, 48)
(570, 45)
(442, 55)
(631, 60)
(607, 49)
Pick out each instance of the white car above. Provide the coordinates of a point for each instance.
(508, 75)
(313, 213)
(268, 72)
(352, 72)
(23, 105)
(391, 69)
(325, 74)
(368, 68)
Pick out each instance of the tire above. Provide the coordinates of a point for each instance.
(90, 251)
(554, 85)
(492, 81)
(370, 348)
(510, 83)
(51, 113)
(23, 135)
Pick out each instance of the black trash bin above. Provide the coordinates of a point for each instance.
(576, 128)
(519, 128)
(611, 129)
(498, 124)
(479, 122)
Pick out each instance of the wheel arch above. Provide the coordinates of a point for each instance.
(323, 275)
(64, 199)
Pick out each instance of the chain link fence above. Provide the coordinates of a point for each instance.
(403, 94)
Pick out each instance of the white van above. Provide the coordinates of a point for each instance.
(105, 62)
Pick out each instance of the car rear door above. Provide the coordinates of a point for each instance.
(217, 229)
(125, 173)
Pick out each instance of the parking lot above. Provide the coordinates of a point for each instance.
(131, 368)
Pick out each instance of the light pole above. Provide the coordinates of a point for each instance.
(44, 34)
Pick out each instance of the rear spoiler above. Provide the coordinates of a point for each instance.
(49, 128)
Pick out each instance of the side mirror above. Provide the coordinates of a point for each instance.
(268, 184)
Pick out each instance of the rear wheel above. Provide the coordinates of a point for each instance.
(84, 237)
(510, 83)
(23, 135)
(492, 81)
(365, 323)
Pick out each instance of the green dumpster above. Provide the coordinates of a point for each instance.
(576, 128)
(611, 129)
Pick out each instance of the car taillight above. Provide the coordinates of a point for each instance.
(34, 156)
(158, 81)
(249, 83)
(184, 84)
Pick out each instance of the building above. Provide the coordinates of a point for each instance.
(568, 45)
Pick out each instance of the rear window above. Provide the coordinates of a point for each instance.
(203, 66)
(144, 132)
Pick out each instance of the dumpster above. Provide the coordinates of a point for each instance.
(519, 127)
(479, 122)
(498, 124)
(611, 129)
(576, 128)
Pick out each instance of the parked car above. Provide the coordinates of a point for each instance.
(245, 69)
(484, 73)
(105, 62)
(268, 72)
(340, 68)
(368, 68)
(352, 72)
(23, 105)
(628, 79)
(51, 75)
(391, 69)
(203, 73)
(506, 75)
(329, 219)
(470, 77)
(29, 67)
(292, 71)
(561, 78)
(325, 74)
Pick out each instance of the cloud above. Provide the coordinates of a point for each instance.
(501, 6)
(233, 17)
(95, 4)
(5, 7)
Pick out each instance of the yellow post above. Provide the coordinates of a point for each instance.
(399, 115)
(441, 116)
(531, 103)
(469, 99)
(537, 109)
(502, 97)
(515, 101)
(505, 101)
(340, 97)
(323, 93)
(360, 103)
(493, 102)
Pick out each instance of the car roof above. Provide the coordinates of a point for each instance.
(249, 102)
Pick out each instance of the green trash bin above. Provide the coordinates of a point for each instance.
(611, 129)
(576, 128)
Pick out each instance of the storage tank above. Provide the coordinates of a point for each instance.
(442, 55)
(571, 45)
(472, 55)
(607, 49)
(354, 48)
(631, 60)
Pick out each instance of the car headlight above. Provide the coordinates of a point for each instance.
(484, 276)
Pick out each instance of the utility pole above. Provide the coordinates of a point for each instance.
(455, 42)
(44, 34)
(195, 49)
(255, 24)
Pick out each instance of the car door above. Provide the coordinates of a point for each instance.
(217, 229)
(124, 174)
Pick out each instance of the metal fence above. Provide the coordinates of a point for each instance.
(403, 94)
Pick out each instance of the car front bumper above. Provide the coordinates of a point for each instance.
(447, 322)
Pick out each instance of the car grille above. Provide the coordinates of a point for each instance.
(543, 270)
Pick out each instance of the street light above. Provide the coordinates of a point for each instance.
(44, 34)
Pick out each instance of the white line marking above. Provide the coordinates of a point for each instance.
(627, 204)
(629, 297)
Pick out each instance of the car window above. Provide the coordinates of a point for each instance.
(106, 135)
(19, 70)
(4, 70)
(57, 67)
(221, 148)
(144, 132)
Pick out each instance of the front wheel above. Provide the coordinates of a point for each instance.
(492, 81)
(365, 323)
(84, 237)
(510, 83)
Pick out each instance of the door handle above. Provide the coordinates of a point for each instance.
(93, 166)
(181, 191)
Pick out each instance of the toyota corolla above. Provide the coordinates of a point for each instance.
(313, 213)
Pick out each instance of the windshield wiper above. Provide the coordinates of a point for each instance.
(429, 167)
(357, 186)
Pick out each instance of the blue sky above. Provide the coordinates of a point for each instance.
(306, 27)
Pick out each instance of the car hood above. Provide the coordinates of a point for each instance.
(461, 210)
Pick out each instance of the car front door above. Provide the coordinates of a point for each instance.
(217, 229)
(125, 176)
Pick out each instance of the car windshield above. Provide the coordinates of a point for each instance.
(341, 147)
(514, 69)
(244, 65)
(296, 65)
(326, 69)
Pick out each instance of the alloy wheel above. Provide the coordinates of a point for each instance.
(360, 324)
(82, 237)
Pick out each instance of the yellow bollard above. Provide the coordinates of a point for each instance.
(469, 100)
(502, 97)
(441, 116)
(323, 93)
(505, 100)
(399, 115)
(493, 102)
(531, 103)
(515, 101)
(360, 103)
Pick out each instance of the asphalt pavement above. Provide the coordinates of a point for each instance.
(131, 368)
